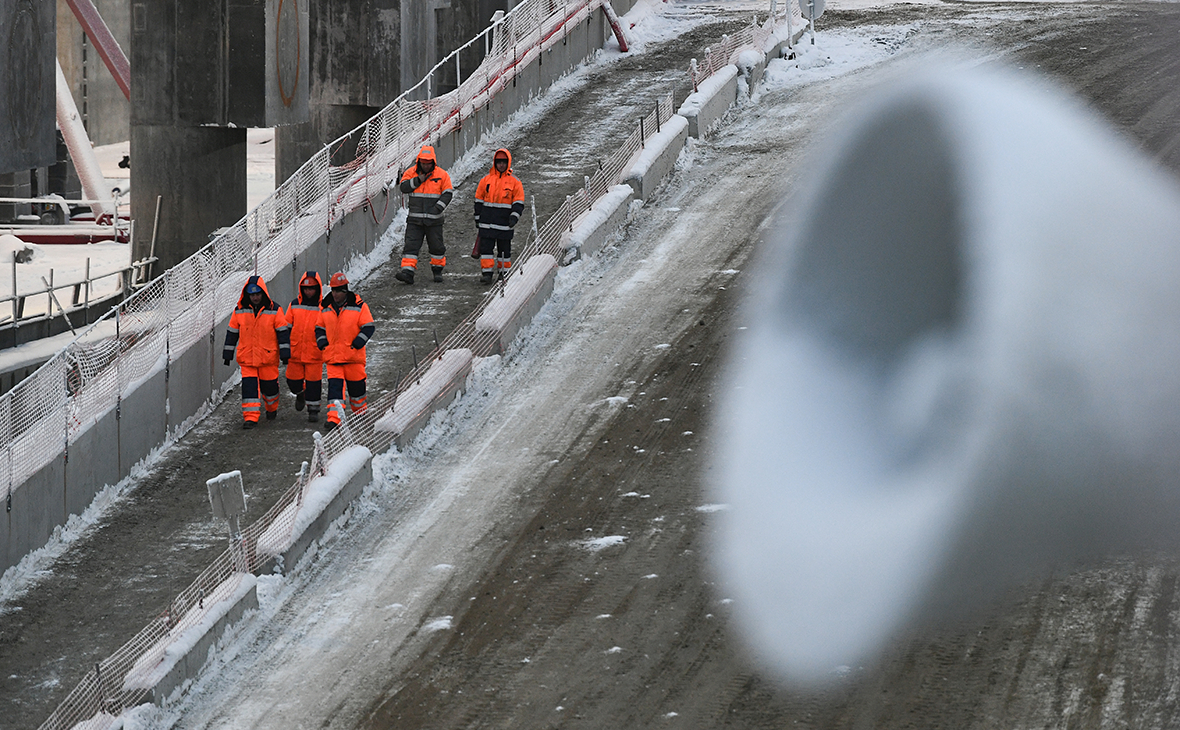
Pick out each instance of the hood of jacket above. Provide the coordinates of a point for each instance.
(427, 153)
(319, 288)
(508, 170)
(244, 300)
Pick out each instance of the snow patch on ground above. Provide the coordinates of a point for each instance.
(835, 53)
(602, 543)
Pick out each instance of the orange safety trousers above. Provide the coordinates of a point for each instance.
(352, 373)
(259, 381)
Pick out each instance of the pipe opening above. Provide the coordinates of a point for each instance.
(880, 264)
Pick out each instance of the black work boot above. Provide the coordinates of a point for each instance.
(485, 277)
(437, 273)
(313, 416)
(248, 425)
(272, 415)
(406, 275)
(299, 401)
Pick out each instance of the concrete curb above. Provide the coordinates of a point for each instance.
(652, 163)
(178, 667)
(719, 92)
(592, 228)
(352, 479)
(523, 295)
(710, 101)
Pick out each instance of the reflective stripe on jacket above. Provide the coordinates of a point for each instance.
(428, 198)
(256, 338)
(499, 202)
(350, 325)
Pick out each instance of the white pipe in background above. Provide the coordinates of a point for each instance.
(961, 371)
(81, 151)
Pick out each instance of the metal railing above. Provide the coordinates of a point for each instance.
(755, 35)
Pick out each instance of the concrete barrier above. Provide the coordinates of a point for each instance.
(326, 500)
(522, 296)
(186, 653)
(710, 101)
(592, 228)
(91, 463)
(436, 389)
(655, 160)
(34, 511)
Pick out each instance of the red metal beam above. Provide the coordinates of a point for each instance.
(104, 42)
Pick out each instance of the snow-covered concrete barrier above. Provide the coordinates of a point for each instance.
(324, 500)
(710, 101)
(591, 229)
(655, 159)
(523, 295)
(183, 652)
(435, 390)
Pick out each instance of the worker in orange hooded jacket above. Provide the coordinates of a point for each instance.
(260, 338)
(344, 328)
(499, 203)
(305, 372)
(429, 189)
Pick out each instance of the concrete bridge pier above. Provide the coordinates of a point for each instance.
(201, 74)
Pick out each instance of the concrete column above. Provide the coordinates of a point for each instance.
(355, 52)
(295, 144)
(14, 185)
(201, 73)
(200, 172)
(27, 83)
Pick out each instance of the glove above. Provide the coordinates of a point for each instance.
(226, 360)
(321, 343)
(284, 360)
(358, 343)
(416, 182)
(439, 207)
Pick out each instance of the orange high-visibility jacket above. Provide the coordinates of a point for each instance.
(499, 202)
(429, 197)
(304, 316)
(344, 332)
(257, 338)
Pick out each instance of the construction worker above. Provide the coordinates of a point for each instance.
(499, 203)
(260, 338)
(344, 328)
(305, 372)
(429, 188)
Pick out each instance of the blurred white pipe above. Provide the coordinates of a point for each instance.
(81, 151)
(961, 371)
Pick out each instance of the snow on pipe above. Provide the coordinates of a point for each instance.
(78, 143)
(960, 371)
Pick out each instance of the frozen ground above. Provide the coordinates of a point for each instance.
(537, 558)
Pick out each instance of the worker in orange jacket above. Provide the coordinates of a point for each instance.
(344, 328)
(499, 203)
(260, 338)
(305, 372)
(429, 189)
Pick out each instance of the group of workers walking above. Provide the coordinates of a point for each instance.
(312, 333)
(333, 330)
(499, 203)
